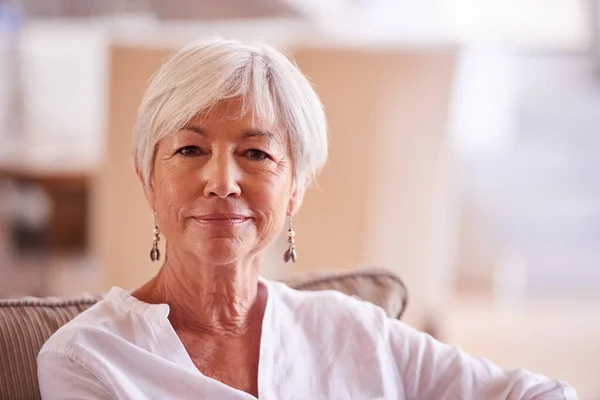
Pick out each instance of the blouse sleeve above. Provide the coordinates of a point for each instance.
(61, 377)
(430, 370)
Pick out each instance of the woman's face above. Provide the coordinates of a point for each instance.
(222, 186)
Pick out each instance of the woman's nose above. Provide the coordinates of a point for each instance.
(221, 174)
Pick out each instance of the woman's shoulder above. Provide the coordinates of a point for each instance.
(112, 315)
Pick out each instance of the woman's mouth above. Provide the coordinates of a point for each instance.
(222, 219)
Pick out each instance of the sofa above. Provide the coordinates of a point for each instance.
(25, 324)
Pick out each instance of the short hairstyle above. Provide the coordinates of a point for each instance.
(205, 72)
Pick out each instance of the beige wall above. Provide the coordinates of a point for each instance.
(121, 220)
(386, 196)
(382, 199)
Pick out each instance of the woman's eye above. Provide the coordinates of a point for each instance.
(257, 155)
(190, 151)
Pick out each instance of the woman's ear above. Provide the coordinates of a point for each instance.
(298, 190)
(148, 187)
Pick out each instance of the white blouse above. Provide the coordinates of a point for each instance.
(314, 345)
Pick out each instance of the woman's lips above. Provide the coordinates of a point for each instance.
(222, 219)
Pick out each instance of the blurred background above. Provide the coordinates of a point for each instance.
(465, 143)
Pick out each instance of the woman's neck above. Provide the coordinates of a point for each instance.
(208, 299)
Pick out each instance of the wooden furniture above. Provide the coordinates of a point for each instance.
(67, 227)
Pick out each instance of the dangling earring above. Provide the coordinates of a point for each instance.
(290, 253)
(155, 253)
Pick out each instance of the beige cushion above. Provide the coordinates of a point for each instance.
(25, 324)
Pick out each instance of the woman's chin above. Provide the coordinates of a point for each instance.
(220, 251)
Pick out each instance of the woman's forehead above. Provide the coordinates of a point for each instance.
(233, 113)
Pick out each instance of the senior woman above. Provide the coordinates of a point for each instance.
(228, 137)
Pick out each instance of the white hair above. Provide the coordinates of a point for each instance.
(205, 72)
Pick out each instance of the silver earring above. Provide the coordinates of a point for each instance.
(155, 253)
(290, 253)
